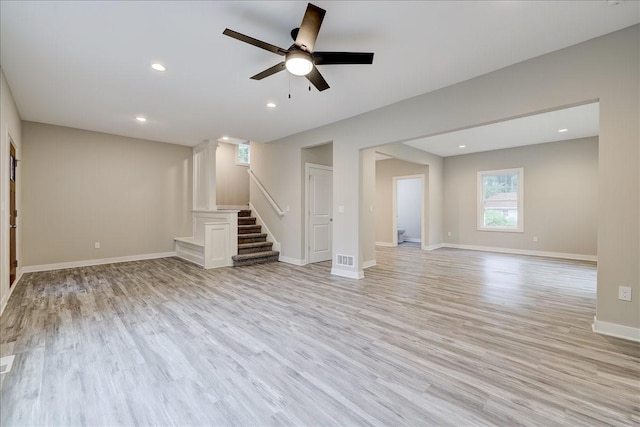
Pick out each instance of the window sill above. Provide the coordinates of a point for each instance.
(503, 230)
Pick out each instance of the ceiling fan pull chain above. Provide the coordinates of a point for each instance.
(289, 86)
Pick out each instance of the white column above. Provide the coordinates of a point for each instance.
(204, 176)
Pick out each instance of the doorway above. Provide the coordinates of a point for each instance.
(13, 214)
(319, 209)
(408, 210)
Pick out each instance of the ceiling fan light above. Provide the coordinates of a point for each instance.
(299, 63)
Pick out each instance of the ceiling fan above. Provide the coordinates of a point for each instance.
(300, 59)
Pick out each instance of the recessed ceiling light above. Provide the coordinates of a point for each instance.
(563, 130)
(462, 146)
(225, 138)
(158, 67)
(271, 105)
(141, 119)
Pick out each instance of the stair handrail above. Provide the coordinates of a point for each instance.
(265, 193)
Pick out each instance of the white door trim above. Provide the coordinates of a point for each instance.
(394, 213)
(307, 219)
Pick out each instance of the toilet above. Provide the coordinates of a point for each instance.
(401, 232)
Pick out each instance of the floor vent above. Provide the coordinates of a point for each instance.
(346, 260)
(6, 363)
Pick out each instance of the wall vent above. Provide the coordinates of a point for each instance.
(346, 260)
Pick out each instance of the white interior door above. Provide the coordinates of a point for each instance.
(320, 212)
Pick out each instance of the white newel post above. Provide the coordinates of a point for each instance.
(204, 176)
(215, 233)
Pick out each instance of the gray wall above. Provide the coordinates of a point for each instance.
(319, 155)
(605, 69)
(368, 207)
(10, 126)
(80, 187)
(433, 186)
(386, 170)
(232, 181)
(560, 197)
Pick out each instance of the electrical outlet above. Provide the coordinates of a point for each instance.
(96, 245)
(449, 233)
(624, 293)
(535, 239)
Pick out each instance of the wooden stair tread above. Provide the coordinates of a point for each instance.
(255, 258)
(247, 220)
(247, 229)
(255, 255)
(253, 245)
(252, 235)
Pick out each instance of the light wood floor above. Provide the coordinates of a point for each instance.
(448, 337)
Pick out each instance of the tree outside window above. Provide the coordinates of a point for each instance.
(500, 200)
(243, 154)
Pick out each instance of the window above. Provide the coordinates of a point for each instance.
(243, 157)
(500, 200)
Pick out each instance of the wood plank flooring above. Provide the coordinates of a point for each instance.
(440, 338)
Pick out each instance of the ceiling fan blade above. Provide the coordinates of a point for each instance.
(317, 80)
(259, 43)
(269, 71)
(310, 27)
(332, 58)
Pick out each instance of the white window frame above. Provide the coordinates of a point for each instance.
(519, 228)
(238, 162)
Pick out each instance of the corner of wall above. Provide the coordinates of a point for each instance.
(10, 129)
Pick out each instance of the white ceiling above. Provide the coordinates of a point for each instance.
(85, 64)
(580, 122)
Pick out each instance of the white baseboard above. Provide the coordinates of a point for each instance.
(386, 244)
(412, 240)
(294, 261)
(578, 257)
(348, 273)
(5, 300)
(90, 262)
(615, 330)
(270, 236)
(432, 247)
(368, 264)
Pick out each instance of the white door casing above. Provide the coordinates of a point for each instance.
(319, 212)
(394, 215)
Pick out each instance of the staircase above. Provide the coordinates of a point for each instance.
(253, 247)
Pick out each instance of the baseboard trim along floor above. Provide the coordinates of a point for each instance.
(615, 330)
(90, 262)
